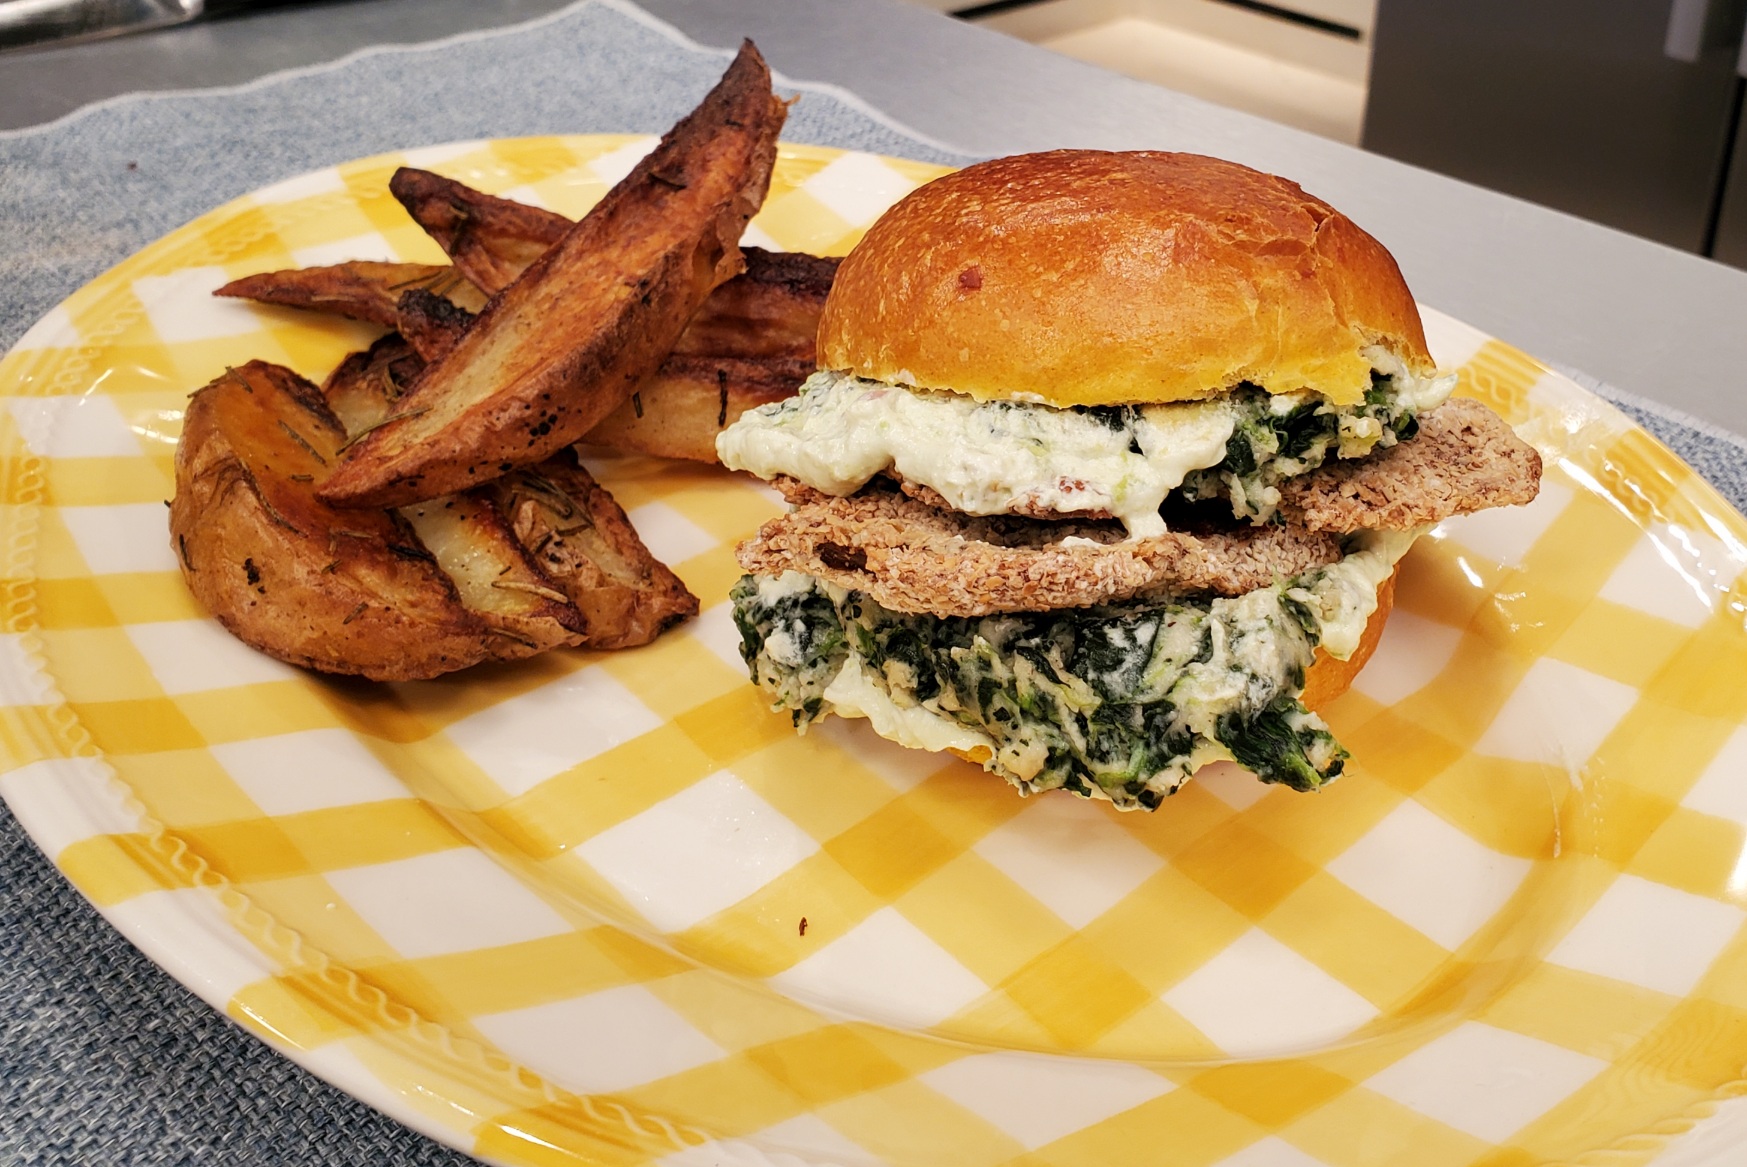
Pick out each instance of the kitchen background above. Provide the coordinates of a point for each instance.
(1626, 112)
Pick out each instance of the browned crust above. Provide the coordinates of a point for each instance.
(360, 289)
(339, 591)
(678, 412)
(472, 543)
(566, 344)
(769, 310)
(491, 240)
(1083, 277)
(911, 557)
(432, 325)
(1465, 458)
(580, 536)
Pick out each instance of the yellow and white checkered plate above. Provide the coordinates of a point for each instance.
(606, 909)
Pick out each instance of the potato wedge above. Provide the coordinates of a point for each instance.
(465, 533)
(769, 310)
(360, 391)
(431, 325)
(491, 240)
(361, 289)
(579, 534)
(564, 345)
(574, 532)
(336, 590)
(678, 412)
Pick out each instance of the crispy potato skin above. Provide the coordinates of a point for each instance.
(466, 534)
(568, 342)
(432, 325)
(491, 240)
(360, 289)
(678, 412)
(580, 536)
(338, 591)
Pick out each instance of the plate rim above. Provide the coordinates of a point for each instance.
(58, 728)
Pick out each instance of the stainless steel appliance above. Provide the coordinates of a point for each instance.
(1627, 112)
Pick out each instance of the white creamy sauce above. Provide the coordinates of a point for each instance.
(984, 458)
(1345, 593)
(1420, 393)
(994, 457)
(855, 693)
(1251, 636)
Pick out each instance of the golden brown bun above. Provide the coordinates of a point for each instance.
(1325, 680)
(1084, 277)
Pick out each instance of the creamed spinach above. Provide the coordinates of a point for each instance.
(1124, 700)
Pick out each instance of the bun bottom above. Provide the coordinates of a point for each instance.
(1325, 680)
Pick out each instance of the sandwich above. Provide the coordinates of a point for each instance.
(1104, 475)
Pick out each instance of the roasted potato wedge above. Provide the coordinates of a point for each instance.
(337, 590)
(431, 325)
(361, 289)
(491, 240)
(579, 534)
(564, 345)
(465, 533)
(576, 537)
(678, 412)
(769, 310)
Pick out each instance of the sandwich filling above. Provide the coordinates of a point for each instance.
(1002, 457)
(1121, 701)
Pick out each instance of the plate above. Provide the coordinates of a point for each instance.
(606, 909)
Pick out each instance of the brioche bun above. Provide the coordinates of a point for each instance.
(1084, 277)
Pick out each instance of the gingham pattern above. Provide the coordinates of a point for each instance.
(553, 912)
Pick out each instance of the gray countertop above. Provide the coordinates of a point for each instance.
(1648, 319)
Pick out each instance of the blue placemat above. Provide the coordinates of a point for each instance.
(103, 1058)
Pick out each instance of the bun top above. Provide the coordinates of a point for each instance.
(1085, 277)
